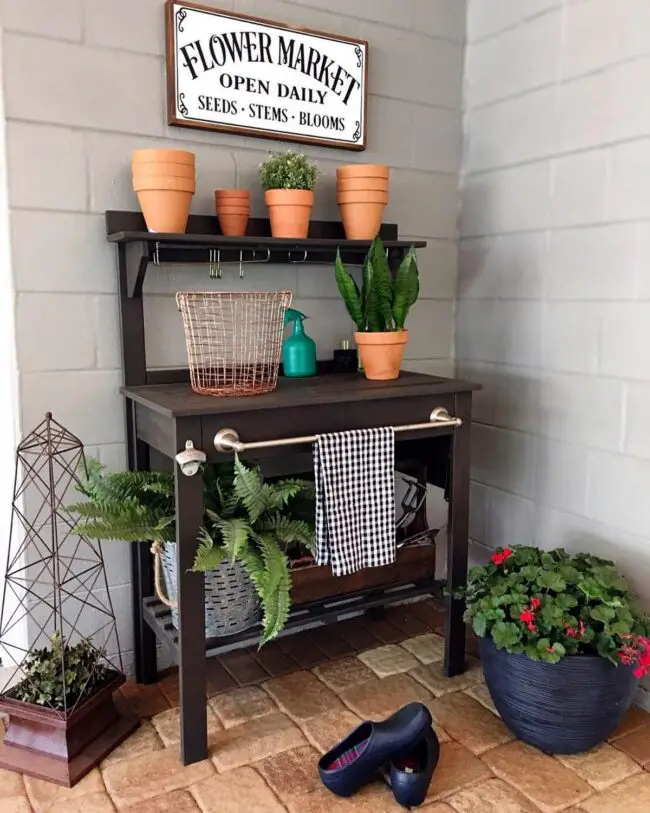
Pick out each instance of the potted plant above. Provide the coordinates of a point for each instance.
(288, 180)
(380, 309)
(562, 644)
(61, 710)
(250, 532)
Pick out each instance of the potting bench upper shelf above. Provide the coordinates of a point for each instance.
(163, 413)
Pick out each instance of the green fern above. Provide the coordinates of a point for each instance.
(275, 583)
(208, 555)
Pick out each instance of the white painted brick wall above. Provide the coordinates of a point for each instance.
(84, 85)
(554, 274)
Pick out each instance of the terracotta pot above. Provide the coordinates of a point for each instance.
(165, 202)
(365, 184)
(242, 194)
(382, 353)
(233, 224)
(163, 156)
(165, 169)
(362, 197)
(362, 171)
(289, 211)
(233, 209)
(362, 221)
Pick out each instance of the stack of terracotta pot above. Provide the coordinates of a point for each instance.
(362, 195)
(233, 208)
(164, 181)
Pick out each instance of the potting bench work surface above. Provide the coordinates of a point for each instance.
(272, 713)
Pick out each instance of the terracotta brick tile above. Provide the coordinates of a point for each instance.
(434, 678)
(302, 695)
(332, 643)
(457, 769)
(602, 767)
(481, 693)
(325, 730)
(218, 679)
(238, 706)
(635, 719)
(142, 741)
(255, 740)
(239, 791)
(168, 726)
(11, 784)
(636, 745)
(493, 796)
(468, 722)
(135, 781)
(375, 701)
(43, 794)
(243, 667)
(275, 661)
(439, 807)
(388, 660)
(291, 773)
(631, 796)
(169, 686)
(178, 801)
(427, 648)
(95, 802)
(374, 798)
(540, 778)
(303, 649)
(344, 674)
(15, 804)
(145, 701)
(357, 634)
(405, 620)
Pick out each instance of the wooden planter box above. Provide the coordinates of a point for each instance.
(60, 747)
(313, 583)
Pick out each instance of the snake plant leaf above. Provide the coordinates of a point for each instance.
(407, 289)
(383, 280)
(349, 290)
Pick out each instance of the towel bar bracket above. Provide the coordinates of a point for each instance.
(227, 440)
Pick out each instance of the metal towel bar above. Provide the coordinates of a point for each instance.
(227, 440)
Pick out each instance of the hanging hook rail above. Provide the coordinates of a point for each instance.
(227, 440)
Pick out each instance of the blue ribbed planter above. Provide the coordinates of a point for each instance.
(562, 708)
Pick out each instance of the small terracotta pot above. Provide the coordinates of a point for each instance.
(382, 353)
(362, 184)
(233, 224)
(233, 208)
(169, 184)
(362, 221)
(221, 194)
(289, 212)
(362, 197)
(165, 202)
(163, 156)
(165, 170)
(362, 171)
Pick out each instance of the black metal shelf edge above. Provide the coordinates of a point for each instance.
(329, 611)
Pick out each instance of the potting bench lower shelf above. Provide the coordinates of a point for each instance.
(162, 417)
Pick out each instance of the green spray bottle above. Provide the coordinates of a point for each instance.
(298, 350)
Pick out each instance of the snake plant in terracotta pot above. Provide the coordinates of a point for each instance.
(289, 179)
(380, 308)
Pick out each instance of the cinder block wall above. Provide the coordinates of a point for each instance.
(84, 85)
(554, 282)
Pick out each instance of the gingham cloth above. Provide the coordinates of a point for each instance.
(355, 499)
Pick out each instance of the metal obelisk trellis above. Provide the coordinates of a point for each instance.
(55, 580)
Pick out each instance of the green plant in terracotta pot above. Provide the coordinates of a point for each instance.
(288, 180)
(563, 642)
(380, 309)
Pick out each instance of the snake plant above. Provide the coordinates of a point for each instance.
(383, 303)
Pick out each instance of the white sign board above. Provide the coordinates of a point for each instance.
(245, 75)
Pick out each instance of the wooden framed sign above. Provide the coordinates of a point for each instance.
(255, 77)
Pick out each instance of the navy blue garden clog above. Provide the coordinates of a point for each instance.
(410, 774)
(353, 762)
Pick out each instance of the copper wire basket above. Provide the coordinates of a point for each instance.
(234, 340)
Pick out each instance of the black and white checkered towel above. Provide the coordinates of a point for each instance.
(355, 499)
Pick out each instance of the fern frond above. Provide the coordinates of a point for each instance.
(208, 555)
(236, 533)
(248, 488)
(275, 594)
(291, 531)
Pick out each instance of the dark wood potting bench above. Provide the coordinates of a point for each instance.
(431, 415)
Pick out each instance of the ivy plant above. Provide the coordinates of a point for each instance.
(550, 604)
(384, 302)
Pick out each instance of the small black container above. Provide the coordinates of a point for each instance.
(345, 360)
(560, 708)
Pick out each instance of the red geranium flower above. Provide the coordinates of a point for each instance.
(527, 616)
(535, 603)
(500, 558)
(532, 627)
(571, 632)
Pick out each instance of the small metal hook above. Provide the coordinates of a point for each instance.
(255, 258)
(211, 262)
(301, 260)
(241, 265)
(218, 260)
(156, 254)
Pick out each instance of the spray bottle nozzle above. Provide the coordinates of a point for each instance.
(292, 315)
